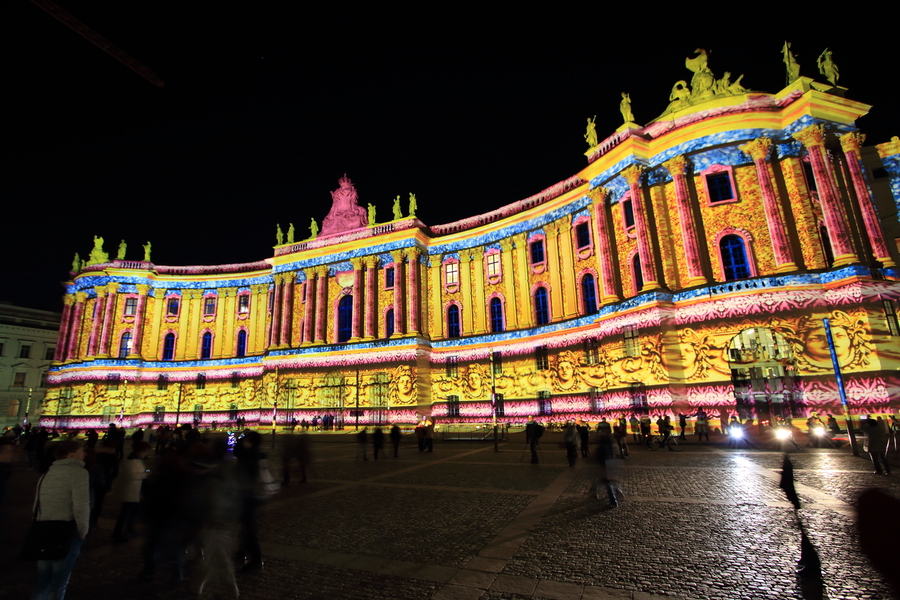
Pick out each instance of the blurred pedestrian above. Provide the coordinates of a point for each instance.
(876, 445)
(135, 472)
(296, 448)
(621, 437)
(362, 441)
(248, 454)
(377, 441)
(571, 439)
(395, 438)
(584, 433)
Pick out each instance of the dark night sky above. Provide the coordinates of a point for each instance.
(263, 110)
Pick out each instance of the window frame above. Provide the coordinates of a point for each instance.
(493, 266)
(168, 350)
(206, 349)
(129, 308)
(173, 300)
(497, 314)
(240, 350)
(715, 172)
(451, 273)
(542, 358)
(454, 321)
(749, 255)
(592, 297)
(542, 312)
(123, 351)
(389, 277)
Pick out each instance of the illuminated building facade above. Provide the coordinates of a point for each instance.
(688, 265)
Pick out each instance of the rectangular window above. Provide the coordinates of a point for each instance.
(583, 235)
(19, 379)
(201, 381)
(452, 366)
(389, 278)
(235, 380)
(639, 398)
(25, 351)
(596, 400)
(627, 213)
(130, 307)
(451, 273)
(172, 306)
(891, 316)
(632, 349)
(2, 344)
(209, 306)
(497, 362)
(43, 383)
(109, 414)
(49, 351)
(545, 407)
(112, 383)
(537, 252)
(162, 383)
(499, 405)
(452, 406)
(244, 304)
(159, 414)
(719, 185)
(542, 358)
(493, 265)
(591, 351)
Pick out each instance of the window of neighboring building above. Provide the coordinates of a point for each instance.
(201, 381)
(43, 383)
(719, 186)
(389, 278)
(591, 351)
(235, 383)
(209, 306)
(890, 314)
(627, 213)
(172, 306)
(452, 366)
(497, 363)
(452, 406)
(583, 235)
(242, 343)
(545, 406)
(637, 274)
(493, 264)
(541, 306)
(389, 323)
(169, 347)
(49, 351)
(451, 273)
(453, 329)
(243, 303)
(25, 351)
(162, 383)
(19, 379)
(632, 348)
(734, 258)
(499, 405)
(112, 382)
(12, 409)
(496, 315)
(345, 319)
(541, 358)
(130, 306)
(125, 345)
(537, 252)
(206, 345)
(2, 344)
(588, 294)
(596, 400)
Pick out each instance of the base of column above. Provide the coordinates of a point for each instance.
(397, 335)
(845, 259)
(101, 356)
(368, 338)
(695, 281)
(786, 268)
(610, 300)
(649, 286)
(133, 356)
(886, 262)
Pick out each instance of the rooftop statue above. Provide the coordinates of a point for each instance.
(279, 235)
(790, 63)
(345, 213)
(290, 239)
(98, 256)
(371, 214)
(679, 96)
(76, 263)
(314, 229)
(704, 85)
(120, 255)
(827, 67)
(413, 205)
(147, 248)
(398, 213)
(703, 82)
(590, 135)
(625, 108)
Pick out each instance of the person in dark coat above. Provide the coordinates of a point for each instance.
(395, 438)
(377, 441)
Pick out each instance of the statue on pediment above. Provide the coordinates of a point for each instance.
(827, 67)
(790, 63)
(98, 256)
(345, 213)
(120, 255)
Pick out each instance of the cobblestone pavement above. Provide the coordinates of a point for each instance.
(466, 522)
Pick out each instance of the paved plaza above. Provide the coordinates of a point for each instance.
(468, 522)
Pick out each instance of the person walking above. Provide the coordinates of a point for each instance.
(248, 455)
(135, 472)
(876, 445)
(62, 495)
(702, 425)
(377, 441)
(362, 440)
(571, 439)
(635, 428)
(395, 438)
(584, 433)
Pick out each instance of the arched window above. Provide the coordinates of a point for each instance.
(169, 347)
(588, 295)
(638, 275)
(125, 345)
(206, 345)
(389, 323)
(734, 258)
(242, 343)
(496, 315)
(345, 319)
(541, 306)
(453, 321)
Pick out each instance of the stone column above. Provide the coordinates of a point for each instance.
(287, 309)
(677, 167)
(465, 290)
(604, 247)
(479, 306)
(137, 336)
(509, 283)
(813, 138)
(412, 294)
(75, 327)
(97, 321)
(275, 327)
(109, 314)
(321, 305)
(642, 225)
(371, 296)
(397, 255)
(309, 312)
(552, 271)
(435, 265)
(851, 143)
(523, 269)
(758, 150)
(566, 269)
(59, 353)
(358, 296)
